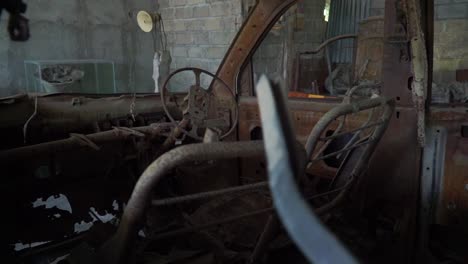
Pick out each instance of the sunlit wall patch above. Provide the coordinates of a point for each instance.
(326, 10)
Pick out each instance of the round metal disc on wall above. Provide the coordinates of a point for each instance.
(145, 21)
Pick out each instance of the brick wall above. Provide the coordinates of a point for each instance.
(199, 33)
(450, 39)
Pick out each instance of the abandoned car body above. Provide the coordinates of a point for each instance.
(232, 172)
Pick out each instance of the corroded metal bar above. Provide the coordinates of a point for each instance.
(319, 211)
(345, 109)
(210, 194)
(328, 42)
(118, 248)
(198, 228)
(73, 142)
(271, 230)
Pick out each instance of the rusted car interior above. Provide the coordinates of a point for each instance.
(248, 168)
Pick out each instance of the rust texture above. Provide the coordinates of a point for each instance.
(369, 52)
(79, 141)
(258, 23)
(200, 100)
(395, 164)
(71, 112)
(419, 65)
(453, 207)
(116, 250)
(462, 75)
(453, 210)
(403, 69)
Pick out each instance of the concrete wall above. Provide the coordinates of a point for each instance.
(450, 39)
(80, 29)
(199, 33)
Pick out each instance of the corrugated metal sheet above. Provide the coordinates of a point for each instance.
(345, 16)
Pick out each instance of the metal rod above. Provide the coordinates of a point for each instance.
(43, 149)
(343, 150)
(204, 195)
(209, 225)
(328, 42)
(53, 246)
(345, 109)
(271, 230)
(352, 131)
(356, 135)
(319, 211)
(336, 132)
(172, 138)
(330, 71)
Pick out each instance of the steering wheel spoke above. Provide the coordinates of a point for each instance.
(197, 105)
(197, 73)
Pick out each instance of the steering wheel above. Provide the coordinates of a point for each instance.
(198, 103)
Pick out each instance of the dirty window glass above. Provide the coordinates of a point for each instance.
(290, 52)
(59, 76)
(450, 76)
(301, 28)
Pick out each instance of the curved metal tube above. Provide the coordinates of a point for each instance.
(328, 42)
(118, 248)
(336, 112)
(210, 194)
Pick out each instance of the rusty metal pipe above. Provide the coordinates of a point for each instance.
(172, 138)
(210, 194)
(44, 149)
(319, 211)
(328, 42)
(272, 228)
(345, 109)
(194, 229)
(118, 248)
